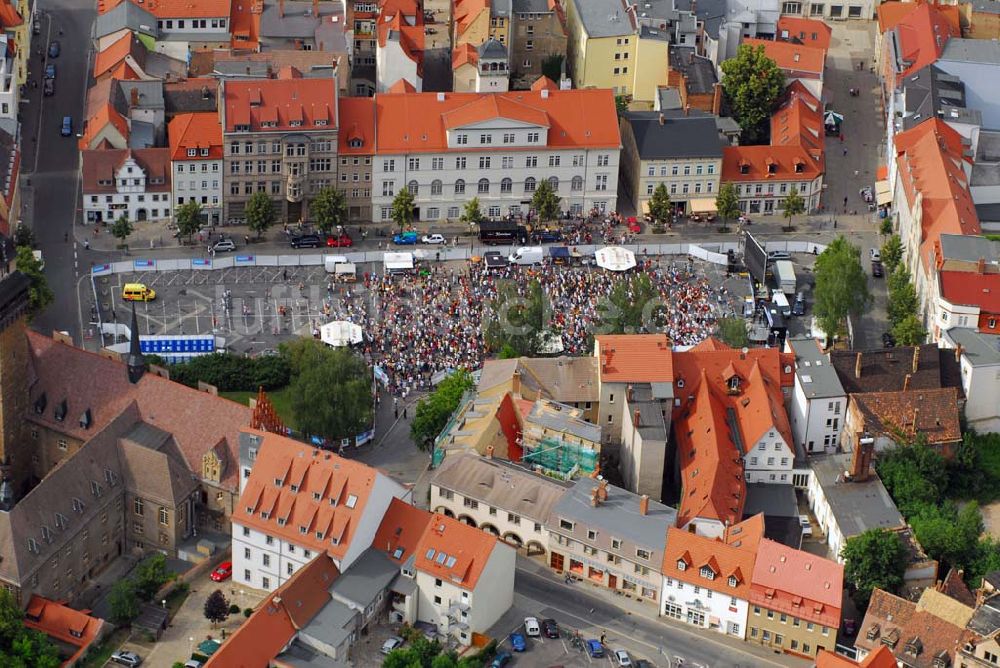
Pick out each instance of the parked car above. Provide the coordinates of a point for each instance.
(54, 48)
(392, 643)
(850, 626)
(501, 660)
(799, 307)
(778, 255)
(405, 239)
(807, 528)
(126, 658)
(193, 663)
(343, 241)
(67, 126)
(546, 236)
(36, 26)
(622, 657)
(50, 71)
(224, 246)
(877, 270)
(307, 241)
(888, 340)
(875, 255)
(595, 649)
(532, 628)
(551, 628)
(49, 87)
(517, 642)
(223, 572)
(642, 663)
(433, 239)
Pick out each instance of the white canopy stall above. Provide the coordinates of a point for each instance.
(340, 333)
(615, 258)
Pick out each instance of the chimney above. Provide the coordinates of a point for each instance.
(628, 392)
(281, 8)
(602, 490)
(663, 119)
(857, 366)
(716, 98)
(489, 452)
(644, 504)
(861, 462)
(906, 382)
(595, 497)
(515, 382)
(636, 415)
(916, 414)
(981, 266)
(687, 109)
(958, 352)
(316, 8)
(916, 358)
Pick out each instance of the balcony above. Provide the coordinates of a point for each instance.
(293, 187)
(457, 608)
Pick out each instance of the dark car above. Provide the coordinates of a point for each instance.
(517, 642)
(50, 71)
(49, 87)
(550, 628)
(595, 649)
(307, 241)
(877, 270)
(54, 48)
(888, 340)
(500, 660)
(799, 307)
(546, 236)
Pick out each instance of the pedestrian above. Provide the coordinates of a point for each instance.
(845, 200)
(404, 412)
(845, 150)
(246, 239)
(395, 412)
(86, 244)
(284, 272)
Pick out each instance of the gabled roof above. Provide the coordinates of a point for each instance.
(467, 11)
(125, 16)
(811, 32)
(357, 124)
(937, 413)
(68, 627)
(278, 619)
(9, 16)
(291, 103)
(464, 54)
(791, 163)
(881, 658)
(798, 583)
(492, 107)
(792, 58)
(798, 121)
(454, 551)
(100, 165)
(971, 289)
(116, 52)
(885, 370)
(634, 358)
(544, 83)
(921, 35)
(106, 115)
(658, 137)
(176, 9)
(700, 551)
(402, 86)
(195, 131)
(401, 529)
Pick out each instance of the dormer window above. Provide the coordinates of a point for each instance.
(707, 572)
(941, 659)
(264, 515)
(799, 167)
(61, 410)
(294, 488)
(281, 521)
(316, 496)
(278, 482)
(772, 168)
(733, 581)
(914, 647)
(303, 529)
(355, 143)
(319, 535)
(734, 384)
(681, 565)
(249, 510)
(320, 122)
(744, 168)
(295, 124)
(40, 404)
(204, 152)
(192, 152)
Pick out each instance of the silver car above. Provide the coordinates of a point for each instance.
(126, 658)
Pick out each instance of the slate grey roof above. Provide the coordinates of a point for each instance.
(986, 6)
(856, 506)
(986, 166)
(500, 8)
(604, 18)
(700, 72)
(491, 49)
(813, 370)
(142, 135)
(530, 6)
(772, 500)
(980, 349)
(678, 136)
(711, 12)
(332, 625)
(984, 51)
(553, 415)
(986, 619)
(365, 579)
(969, 248)
(619, 514)
(151, 462)
(931, 92)
(127, 15)
(298, 21)
(148, 94)
(300, 655)
(565, 379)
(668, 98)
(652, 426)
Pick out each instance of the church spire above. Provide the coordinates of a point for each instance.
(136, 362)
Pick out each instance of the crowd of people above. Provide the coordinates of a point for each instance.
(418, 325)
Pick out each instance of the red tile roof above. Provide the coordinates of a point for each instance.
(402, 527)
(9, 16)
(923, 34)
(244, 25)
(453, 551)
(698, 551)
(797, 60)
(418, 122)
(277, 620)
(291, 103)
(544, 83)
(174, 9)
(890, 14)
(116, 52)
(757, 160)
(411, 37)
(798, 121)
(797, 583)
(466, 12)
(63, 624)
(464, 53)
(937, 413)
(106, 115)
(635, 358)
(811, 32)
(930, 157)
(971, 289)
(881, 658)
(102, 164)
(402, 86)
(357, 124)
(195, 131)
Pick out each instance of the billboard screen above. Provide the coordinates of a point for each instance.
(754, 257)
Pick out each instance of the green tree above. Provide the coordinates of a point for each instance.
(630, 307)
(122, 229)
(39, 293)
(402, 208)
(885, 227)
(909, 331)
(660, 207)
(21, 647)
(471, 214)
(150, 576)
(216, 607)
(727, 204)
(545, 201)
(948, 533)
(841, 286)
(123, 602)
(913, 473)
(902, 296)
(331, 391)
(328, 209)
(444, 661)
(188, 218)
(433, 411)
(259, 212)
(892, 253)
(752, 83)
(23, 236)
(986, 560)
(404, 657)
(794, 206)
(874, 560)
(516, 321)
(733, 331)
(552, 66)
(621, 104)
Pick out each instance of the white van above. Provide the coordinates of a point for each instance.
(528, 255)
(779, 299)
(330, 262)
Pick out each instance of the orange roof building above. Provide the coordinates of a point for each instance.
(880, 658)
(811, 32)
(179, 9)
(797, 61)
(286, 103)
(911, 36)
(126, 57)
(196, 145)
(195, 137)
(300, 501)
(973, 295)
(67, 627)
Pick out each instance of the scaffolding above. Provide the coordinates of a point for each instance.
(560, 457)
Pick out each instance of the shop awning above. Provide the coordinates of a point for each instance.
(702, 205)
(882, 193)
(882, 173)
(645, 207)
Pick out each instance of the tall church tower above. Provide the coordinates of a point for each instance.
(136, 362)
(15, 455)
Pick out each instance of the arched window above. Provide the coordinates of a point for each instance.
(435, 187)
(506, 185)
(484, 186)
(413, 187)
(576, 184)
(554, 182)
(529, 184)
(460, 187)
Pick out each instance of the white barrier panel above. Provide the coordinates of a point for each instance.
(308, 260)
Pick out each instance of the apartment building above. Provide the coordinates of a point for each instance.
(281, 138)
(819, 402)
(979, 359)
(356, 153)
(538, 31)
(196, 163)
(890, 418)
(297, 501)
(447, 148)
(125, 182)
(804, 63)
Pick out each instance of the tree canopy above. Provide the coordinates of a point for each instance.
(516, 321)
(659, 204)
(874, 560)
(188, 218)
(259, 212)
(733, 331)
(123, 602)
(841, 286)
(433, 411)
(892, 252)
(150, 575)
(630, 307)
(402, 208)
(122, 229)
(545, 201)
(794, 206)
(331, 390)
(328, 209)
(727, 203)
(471, 212)
(216, 607)
(39, 293)
(21, 647)
(902, 296)
(909, 331)
(752, 83)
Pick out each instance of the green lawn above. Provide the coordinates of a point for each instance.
(989, 453)
(281, 399)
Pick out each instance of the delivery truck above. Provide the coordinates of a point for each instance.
(784, 276)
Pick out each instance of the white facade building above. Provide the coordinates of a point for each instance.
(9, 89)
(135, 183)
(979, 359)
(819, 403)
(196, 163)
(447, 148)
(770, 460)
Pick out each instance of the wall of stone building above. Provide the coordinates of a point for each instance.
(984, 25)
(147, 532)
(807, 637)
(14, 448)
(49, 448)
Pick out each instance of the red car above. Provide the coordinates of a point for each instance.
(343, 241)
(633, 225)
(223, 572)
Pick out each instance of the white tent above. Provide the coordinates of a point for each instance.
(615, 258)
(340, 333)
